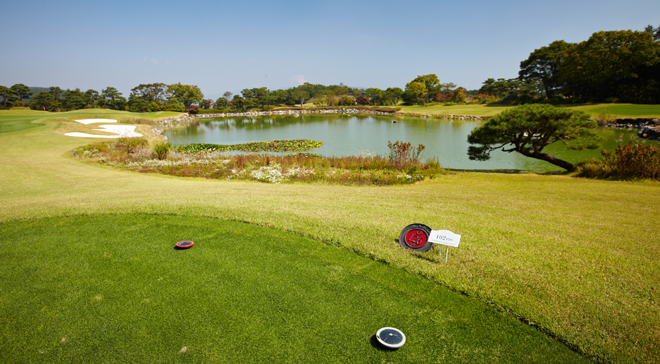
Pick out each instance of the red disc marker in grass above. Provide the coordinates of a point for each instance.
(185, 244)
(416, 237)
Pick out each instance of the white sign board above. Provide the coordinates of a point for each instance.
(444, 237)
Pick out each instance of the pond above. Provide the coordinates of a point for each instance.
(346, 135)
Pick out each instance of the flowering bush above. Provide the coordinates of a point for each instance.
(272, 174)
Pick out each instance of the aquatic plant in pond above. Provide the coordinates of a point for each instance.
(304, 167)
(270, 146)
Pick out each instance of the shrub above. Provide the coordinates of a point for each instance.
(194, 109)
(362, 100)
(162, 150)
(592, 168)
(130, 145)
(604, 118)
(634, 160)
(173, 107)
(403, 154)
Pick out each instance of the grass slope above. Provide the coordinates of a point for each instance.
(576, 258)
(616, 110)
(113, 289)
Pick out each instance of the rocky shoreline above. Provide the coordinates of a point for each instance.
(649, 127)
(340, 111)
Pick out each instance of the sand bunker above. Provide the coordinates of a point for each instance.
(120, 131)
(92, 121)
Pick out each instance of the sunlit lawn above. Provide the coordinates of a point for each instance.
(575, 258)
(616, 110)
(112, 288)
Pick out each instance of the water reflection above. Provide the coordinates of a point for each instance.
(346, 135)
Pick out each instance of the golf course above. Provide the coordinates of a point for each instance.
(551, 268)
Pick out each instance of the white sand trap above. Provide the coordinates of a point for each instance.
(121, 131)
(92, 121)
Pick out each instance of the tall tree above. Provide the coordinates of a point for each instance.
(156, 92)
(92, 96)
(654, 31)
(614, 64)
(186, 95)
(543, 65)
(110, 94)
(221, 102)
(528, 129)
(415, 93)
(432, 84)
(74, 99)
(392, 95)
(56, 92)
(301, 95)
(7, 94)
(42, 101)
(375, 95)
(21, 91)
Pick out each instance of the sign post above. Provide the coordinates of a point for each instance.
(444, 237)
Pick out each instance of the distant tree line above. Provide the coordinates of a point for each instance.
(612, 66)
(149, 97)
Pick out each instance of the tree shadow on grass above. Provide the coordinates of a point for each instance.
(511, 171)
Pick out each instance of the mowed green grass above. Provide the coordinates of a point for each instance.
(114, 289)
(575, 258)
(594, 110)
(623, 110)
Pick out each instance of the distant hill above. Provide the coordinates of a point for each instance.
(36, 90)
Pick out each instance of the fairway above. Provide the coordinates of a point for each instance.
(114, 289)
(594, 110)
(576, 259)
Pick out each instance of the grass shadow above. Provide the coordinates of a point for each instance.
(377, 345)
(511, 171)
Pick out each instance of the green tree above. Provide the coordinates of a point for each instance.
(543, 65)
(56, 92)
(528, 129)
(74, 99)
(459, 95)
(221, 102)
(7, 94)
(415, 93)
(137, 104)
(655, 32)
(42, 101)
(432, 84)
(21, 91)
(375, 95)
(92, 96)
(392, 95)
(156, 92)
(110, 94)
(612, 65)
(186, 95)
(300, 95)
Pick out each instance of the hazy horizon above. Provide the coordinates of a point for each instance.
(228, 46)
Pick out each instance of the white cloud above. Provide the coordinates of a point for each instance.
(300, 79)
(147, 60)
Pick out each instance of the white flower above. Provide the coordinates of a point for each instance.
(271, 174)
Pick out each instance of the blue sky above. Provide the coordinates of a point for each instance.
(227, 46)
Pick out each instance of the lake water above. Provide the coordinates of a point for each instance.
(346, 135)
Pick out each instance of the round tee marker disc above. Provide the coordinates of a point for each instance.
(391, 338)
(185, 244)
